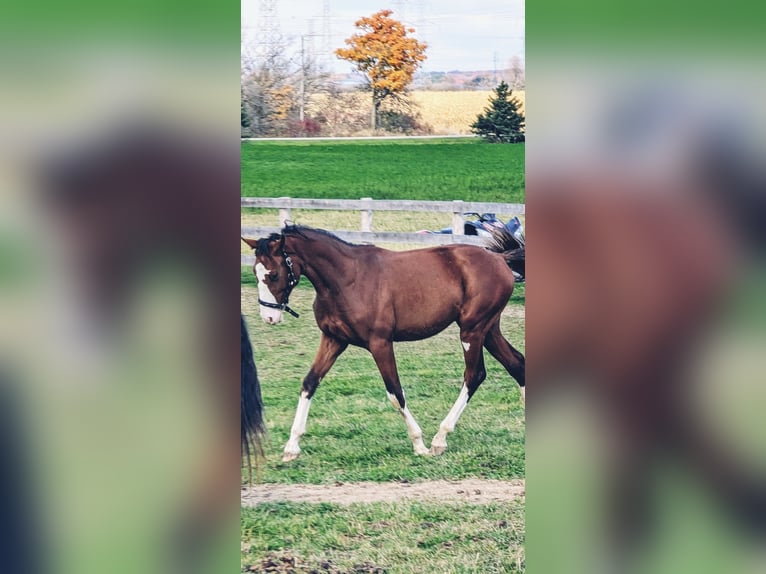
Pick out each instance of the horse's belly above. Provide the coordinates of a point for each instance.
(426, 312)
(417, 331)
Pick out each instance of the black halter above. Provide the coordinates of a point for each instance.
(291, 283)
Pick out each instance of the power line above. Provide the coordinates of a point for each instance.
(268, 36)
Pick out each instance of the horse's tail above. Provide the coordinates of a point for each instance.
(251, 419)
(502, 241)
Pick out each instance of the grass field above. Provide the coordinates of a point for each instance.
(353, 432)
(387, 169)
(351, 412)
(425, 538)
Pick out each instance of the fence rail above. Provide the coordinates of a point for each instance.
(366, 208)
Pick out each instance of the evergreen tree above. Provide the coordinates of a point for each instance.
(501, 121)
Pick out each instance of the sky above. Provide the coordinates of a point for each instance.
(461, 35)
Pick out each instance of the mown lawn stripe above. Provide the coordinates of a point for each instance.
(393, 169)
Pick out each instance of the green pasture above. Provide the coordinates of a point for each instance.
(441, 169)
(368, 538)
(353, 432)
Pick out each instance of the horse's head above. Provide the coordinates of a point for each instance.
(277, 275)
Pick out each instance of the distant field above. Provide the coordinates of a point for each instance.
(453, 112)
(442, 112)
(441, 169)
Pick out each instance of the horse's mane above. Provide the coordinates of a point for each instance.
(262, 247)
(302, 229)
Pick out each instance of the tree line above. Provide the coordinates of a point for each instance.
(284, 96)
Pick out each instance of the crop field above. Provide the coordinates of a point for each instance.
(453, 112)
(354, 436)
(440, 112)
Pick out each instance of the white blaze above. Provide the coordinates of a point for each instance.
(466, 345)
(269, 315)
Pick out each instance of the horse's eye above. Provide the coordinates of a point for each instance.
(273, 277)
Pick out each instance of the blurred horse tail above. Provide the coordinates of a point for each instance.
(251, 420)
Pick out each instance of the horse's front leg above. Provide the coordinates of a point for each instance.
(473, 377)
(329, 350)
(383, 353)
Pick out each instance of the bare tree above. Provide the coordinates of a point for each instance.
(517, 79)
(274, 89)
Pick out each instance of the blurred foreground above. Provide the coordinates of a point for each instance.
(119, 288)
(646, 321)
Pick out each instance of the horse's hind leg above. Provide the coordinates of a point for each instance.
(383, 353)
(473, 377)
(513, 361)
(329, 350)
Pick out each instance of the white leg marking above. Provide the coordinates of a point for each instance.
(466, 345)
(270, 316)
(292, 448)
(413, 429)
(439, 443)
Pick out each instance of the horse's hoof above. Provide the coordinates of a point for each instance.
(290, 456)
(437, 450)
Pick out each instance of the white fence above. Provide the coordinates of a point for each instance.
(368, 206)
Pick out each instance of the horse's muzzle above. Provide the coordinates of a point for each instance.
(271, 316)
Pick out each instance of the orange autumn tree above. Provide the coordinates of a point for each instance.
(384, 52)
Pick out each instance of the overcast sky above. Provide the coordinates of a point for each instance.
(461, 35)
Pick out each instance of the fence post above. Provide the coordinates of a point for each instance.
(284, 212)
(367, 214)
(457, 217)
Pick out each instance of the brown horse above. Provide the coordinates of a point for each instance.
(370, 297)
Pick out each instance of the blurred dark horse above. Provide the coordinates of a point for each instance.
(22, 530)
(624, 279)
(251, 404)
(144, 196)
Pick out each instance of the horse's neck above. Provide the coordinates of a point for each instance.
(326, 262)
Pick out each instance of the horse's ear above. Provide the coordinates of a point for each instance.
(251, 242)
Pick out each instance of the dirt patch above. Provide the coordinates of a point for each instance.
(287, 564)
(472, 490)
